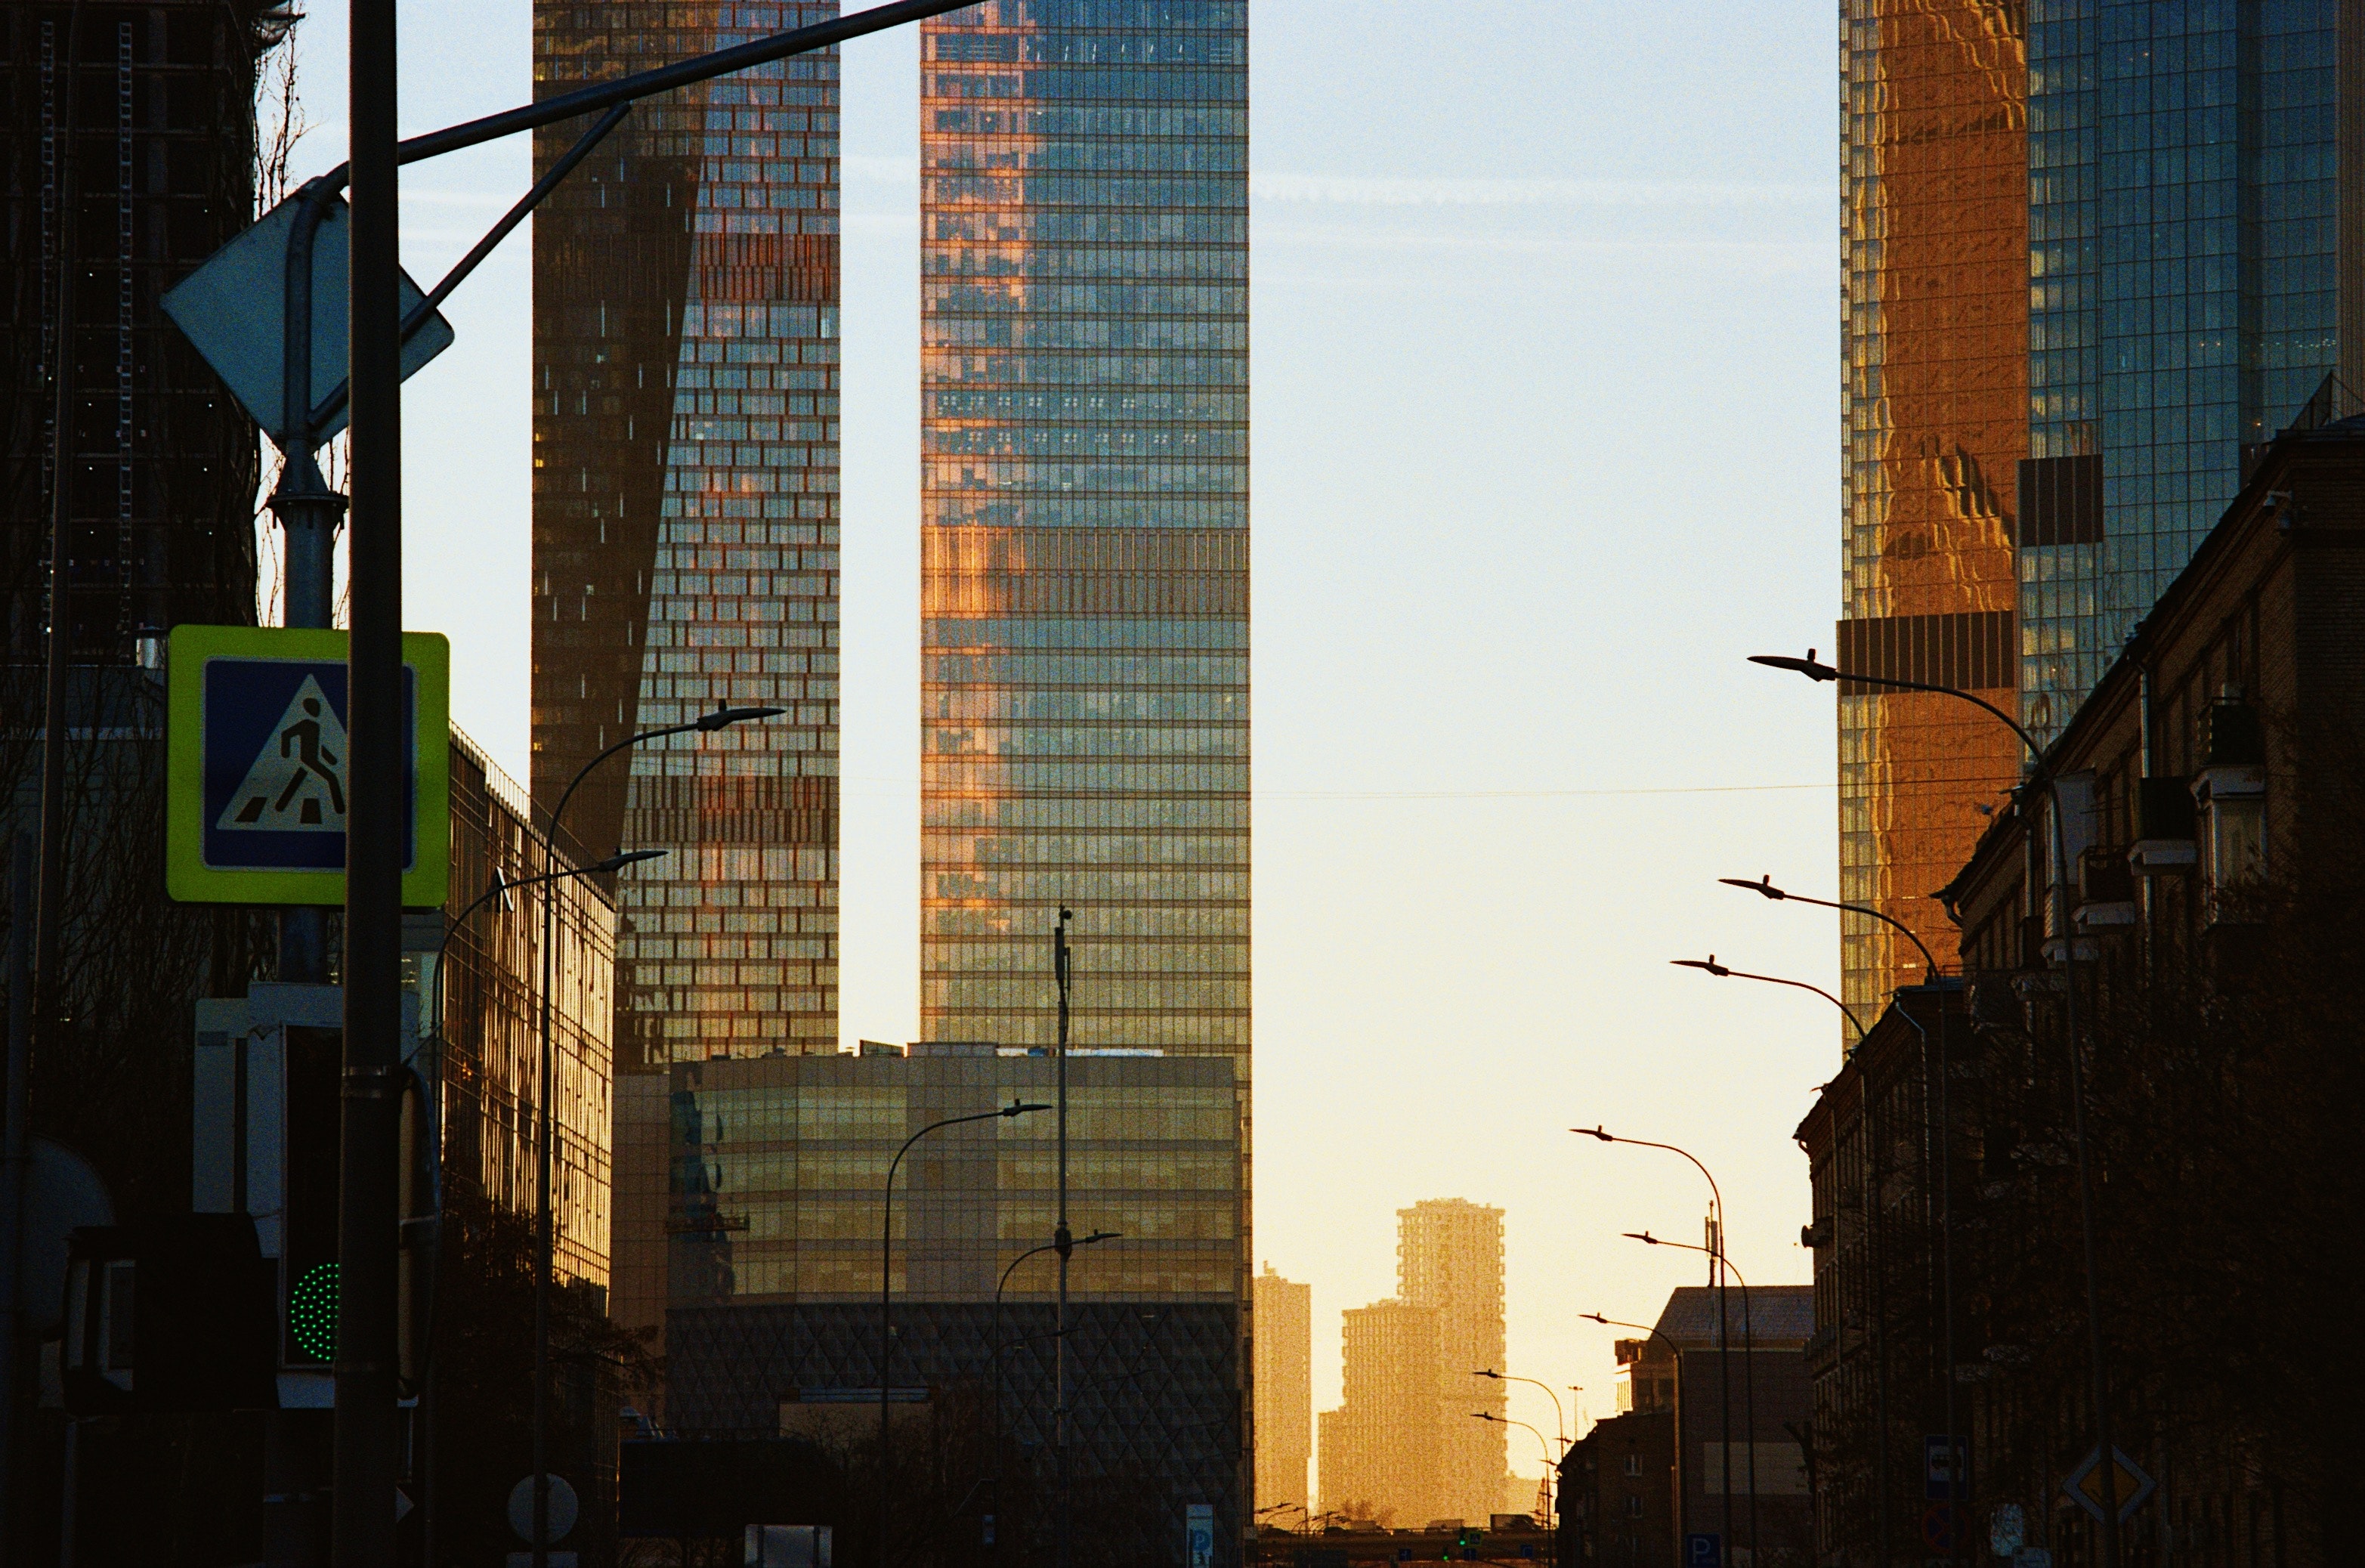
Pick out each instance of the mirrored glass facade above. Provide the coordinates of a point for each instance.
(1934, 185)
(1084, 737)
(686, 518)
(2187, 280)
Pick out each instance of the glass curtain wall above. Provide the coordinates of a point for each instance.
(1084, 492)
(2187, 275)
(1933, 210)
(685, 520)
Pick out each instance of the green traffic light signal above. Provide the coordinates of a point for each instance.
(312, 1312)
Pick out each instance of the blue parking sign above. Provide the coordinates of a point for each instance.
(1705, 1549)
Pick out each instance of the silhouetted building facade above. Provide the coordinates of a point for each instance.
(2208, 924)
(131, 151)
(1740, 1399)
(1617, 1492)
(773, 1226)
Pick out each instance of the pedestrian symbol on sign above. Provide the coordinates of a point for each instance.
(298, 784)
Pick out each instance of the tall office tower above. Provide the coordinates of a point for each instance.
(1283, 1312)
(1084, 529)
(1450, 1263)
(685, 519)
(2195, 180)
(1934, 182)
(129, 153)
(1381, 1448)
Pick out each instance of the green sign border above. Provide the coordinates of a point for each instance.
(187, 878)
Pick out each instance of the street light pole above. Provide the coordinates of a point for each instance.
(546, 1099)
(886, 1297)
(1723, 1336)
(2098, 1365)
(1062, 1242)
(1559, 1415)
(1764, 887)
(1723, 972)
(1095, 1240)
(1550, 1464)
(1748, 1367)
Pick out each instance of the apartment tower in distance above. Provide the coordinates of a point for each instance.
(2097, 252)
(1405, 1442)
(1285, 1398)
(685, 547)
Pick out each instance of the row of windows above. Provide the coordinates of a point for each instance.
(1111, 261)
(1185, 886)
(749, 320)
(1023, 815)
(1165, 993)
(1113, 299)
(1043, 437)
(1102, 45)
(1109, 405)
(946, 851)
(1082, 669)
(1073, 511)
(1164, 703)
(1112, 632)
(1082, 740)
(1114, 923)
(1146, 334)
(1099, 955)
(1202, 122)
(1085, 225)
(1085, 84)
(1004, 774)
(1218, 192)
(1101, 1271)
(1169, 370)
(1085, 154)
(1139, 477)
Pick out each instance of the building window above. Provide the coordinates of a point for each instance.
(1633, 1464)
(1633, 1505)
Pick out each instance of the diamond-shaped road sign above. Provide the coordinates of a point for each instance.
(2094, 1487)
(256, 757)
(234, 309)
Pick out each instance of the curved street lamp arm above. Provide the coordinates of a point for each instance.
(1813, 670)
(1621, 1323)
(1645, 1143)
(1802, 985)
(1559, 1415)
(1769, 889)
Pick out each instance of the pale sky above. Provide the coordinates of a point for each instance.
(1547, 439)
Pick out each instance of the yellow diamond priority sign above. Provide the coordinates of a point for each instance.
(2094, 1487)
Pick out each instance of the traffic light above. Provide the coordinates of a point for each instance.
(313, 1064)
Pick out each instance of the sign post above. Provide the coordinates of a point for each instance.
(257, 765)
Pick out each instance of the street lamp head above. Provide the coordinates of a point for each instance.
(1808, 666)
(1708, 963)
(1596, 1317)
(1100, 1236)
(623, 858)
(1482, 1416)
(1764, 885)
(1594, 1132)
(1645, 1237)
(1489, 1373)
(724, 717)
(1019, 1108)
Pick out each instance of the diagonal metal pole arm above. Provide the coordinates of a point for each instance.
(426, 307)
(1802, 985)
(1767, 889)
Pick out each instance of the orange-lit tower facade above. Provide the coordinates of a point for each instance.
(1084, 593)
(685, 519)
(1934, 179)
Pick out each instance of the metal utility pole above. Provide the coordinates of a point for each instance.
(12, 1194)
(1064, 1241)
(366, 1453)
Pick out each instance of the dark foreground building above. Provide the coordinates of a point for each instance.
(2211, 928)
(772, 1230)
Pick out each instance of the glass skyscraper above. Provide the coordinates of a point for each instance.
(2189, 292)
(1934, 207)
(2123, 218)
(1084, 737)
(686, 518)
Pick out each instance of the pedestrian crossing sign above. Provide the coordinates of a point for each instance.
(256, 762)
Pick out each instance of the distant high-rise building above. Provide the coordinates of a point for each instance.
(1404, 1439)
(1084, 494)
(1379, 1448)
(1449, 1262)
(2096, 253)
(685, 517)
(1283, 1333)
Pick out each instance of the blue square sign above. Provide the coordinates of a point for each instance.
(257, 766)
